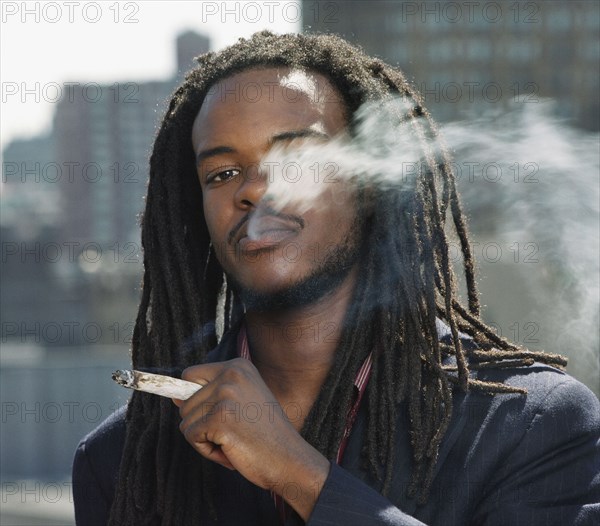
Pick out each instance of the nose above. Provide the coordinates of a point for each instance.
(252, 188)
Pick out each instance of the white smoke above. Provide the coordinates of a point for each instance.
(538, 178)
(529, 182)
(382, 152)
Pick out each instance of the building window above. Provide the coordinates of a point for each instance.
(479, 49)
(441, 50)
(559, 19)
(522, 50)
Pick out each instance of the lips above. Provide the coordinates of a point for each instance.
(269, 231)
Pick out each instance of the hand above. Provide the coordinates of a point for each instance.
(236, 421)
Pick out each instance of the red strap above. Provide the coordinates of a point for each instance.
(242, 344)
(360, 382)
(362, 378)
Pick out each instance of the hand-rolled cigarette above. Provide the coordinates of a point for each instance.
(156, 384)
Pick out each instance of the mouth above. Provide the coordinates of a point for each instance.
(266, 232)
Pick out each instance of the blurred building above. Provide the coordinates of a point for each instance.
(104, 135)
(71, 253)
(466, 58)
(103, 138)
(30, 221)
(463, 53)
(67, 312)
(189, 45)
(31, 200)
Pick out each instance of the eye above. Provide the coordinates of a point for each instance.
(222, 175)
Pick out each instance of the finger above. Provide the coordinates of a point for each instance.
(213, 452)
(207, 372)
(227, 377)
(203, 373)
(201, 402)
(197, 435)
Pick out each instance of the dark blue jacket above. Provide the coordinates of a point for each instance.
(506, 460)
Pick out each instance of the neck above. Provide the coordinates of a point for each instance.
(294, 349)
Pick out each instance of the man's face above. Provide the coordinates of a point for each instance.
(294, 259)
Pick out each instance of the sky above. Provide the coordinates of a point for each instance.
(44, 44)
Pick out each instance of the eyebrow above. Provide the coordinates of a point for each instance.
(212, 152)
(298, 134)
(278, 137)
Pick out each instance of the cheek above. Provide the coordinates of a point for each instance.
(341, 217)
(213, 221)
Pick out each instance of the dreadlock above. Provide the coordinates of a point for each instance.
(162, 480)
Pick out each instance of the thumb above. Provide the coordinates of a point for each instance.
(203, 373)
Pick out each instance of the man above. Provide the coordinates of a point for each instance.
(341, 391)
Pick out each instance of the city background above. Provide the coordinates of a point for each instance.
(514, 85)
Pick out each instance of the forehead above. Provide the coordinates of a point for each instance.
(261, 100)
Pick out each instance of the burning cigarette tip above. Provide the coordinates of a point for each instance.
(124, 378)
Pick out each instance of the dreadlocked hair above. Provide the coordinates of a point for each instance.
(162, 479)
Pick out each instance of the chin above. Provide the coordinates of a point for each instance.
(319, 281)
(307, 291)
